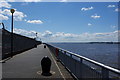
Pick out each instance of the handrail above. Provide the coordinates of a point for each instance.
(89, 60)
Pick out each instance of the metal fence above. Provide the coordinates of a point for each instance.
(20, 43)
(84, 68)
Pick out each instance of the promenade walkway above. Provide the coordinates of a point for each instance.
(28, 65)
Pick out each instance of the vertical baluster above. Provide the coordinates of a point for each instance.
(81, 73)
(71, 63)
(60, 54)
(65, 61)
(75, 67)
(105, 74)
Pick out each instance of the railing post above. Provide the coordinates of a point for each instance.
(65, 52)
(57, 51)
(105, 74)
(58, 57)
(81, 69)
(81, 60)
(65, 61)
(71, 55)
(59, 54)
(70, 63)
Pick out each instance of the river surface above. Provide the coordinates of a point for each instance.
(103, 53)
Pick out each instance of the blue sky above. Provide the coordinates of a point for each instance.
(65, 21)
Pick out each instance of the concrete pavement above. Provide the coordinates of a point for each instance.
(28, 65)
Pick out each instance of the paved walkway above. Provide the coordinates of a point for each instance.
(28, 65)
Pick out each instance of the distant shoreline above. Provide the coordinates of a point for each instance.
(88, 42)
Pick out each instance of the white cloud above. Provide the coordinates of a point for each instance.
(89, 24)
(23, 32)
(63, 35)
(95, 16)
(113, 27)
(63, 0)
(110, 6)
(4, 4)
(60, 0)
(32, 0)
(86, 9)
(24, 0)
(117, 9)
(25, 20)
(18, 16)
(2, 17)
(35, 21)
(49, 36)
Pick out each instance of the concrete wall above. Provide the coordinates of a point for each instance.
(20, 43)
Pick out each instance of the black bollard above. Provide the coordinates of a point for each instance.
(44, 46)
(46, 65)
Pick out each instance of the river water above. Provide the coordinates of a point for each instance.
(103, 53)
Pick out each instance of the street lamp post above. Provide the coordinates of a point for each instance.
(36, 35)
(12, 11)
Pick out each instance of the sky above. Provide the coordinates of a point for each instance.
(63, 21)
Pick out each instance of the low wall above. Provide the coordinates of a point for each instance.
(20, 43)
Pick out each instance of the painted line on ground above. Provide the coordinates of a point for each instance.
(57, 65)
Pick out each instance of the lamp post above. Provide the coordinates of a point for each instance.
(12, 11)
(36, 35)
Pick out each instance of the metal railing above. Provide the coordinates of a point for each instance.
(82, 67)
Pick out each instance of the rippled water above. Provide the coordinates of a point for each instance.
(103, 53)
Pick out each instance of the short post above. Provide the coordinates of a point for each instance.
(44, 46)
(46, 65)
